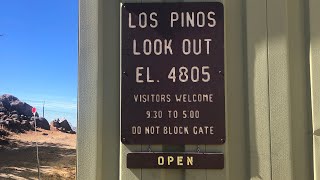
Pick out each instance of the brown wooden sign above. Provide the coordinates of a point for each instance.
(172, 63)
(176, 160)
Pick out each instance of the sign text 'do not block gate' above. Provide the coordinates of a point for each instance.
(172, 89)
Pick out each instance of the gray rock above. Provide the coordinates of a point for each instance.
(3, 142)
(9, 122)
(55, 123)
(6, 100)
(3, 109)
(64, 124)
(23, 117)
(13, 125)
(25, 125)
(31, 125)
(3, 133)
(4, 117)
(42, 123)
(15, 116)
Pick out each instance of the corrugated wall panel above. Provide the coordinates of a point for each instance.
(314, 6)
(270, 124)
(258, 89)
(87, 138)
(289, 91)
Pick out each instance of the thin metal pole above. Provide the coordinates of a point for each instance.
(35, 130)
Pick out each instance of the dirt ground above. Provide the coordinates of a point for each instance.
(57, 154)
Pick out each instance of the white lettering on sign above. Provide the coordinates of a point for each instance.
(192, 19)
(143, 98)
(195, 46)
(172, 130)
(143, 20)
(136, 130)
(154, 47)
(203, 130)
(139, 74)
(152, 130)
(194, 73)
(166, 98)
(175, 130)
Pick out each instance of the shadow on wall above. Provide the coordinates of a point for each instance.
(278, 89)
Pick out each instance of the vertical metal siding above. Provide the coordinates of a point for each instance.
(272, 58)
(314, 6)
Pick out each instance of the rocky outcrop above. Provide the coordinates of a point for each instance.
(55, 123)
(3, 133)
(62, 125)
(13, 104)
(43, 123)
(16, 115)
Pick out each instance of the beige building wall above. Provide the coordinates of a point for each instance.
(272, 88)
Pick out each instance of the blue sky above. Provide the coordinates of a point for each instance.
(39, 54)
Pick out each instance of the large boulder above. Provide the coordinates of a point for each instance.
(8, 122)
(42, 123)
(4, 117)
(2, 114)
(2, 123)
(55, 123)
(3, 109)
(14, 112)
(12, 103)
(64, 124)
(23, 117)
(25, 125)
(31, 125)
(3, 133)
(12, 125)
(15, 116)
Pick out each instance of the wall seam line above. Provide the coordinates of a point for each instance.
(269, 105)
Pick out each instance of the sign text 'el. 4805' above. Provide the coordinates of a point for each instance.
(172, 62)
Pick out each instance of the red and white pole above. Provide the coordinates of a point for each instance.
(34, 110)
